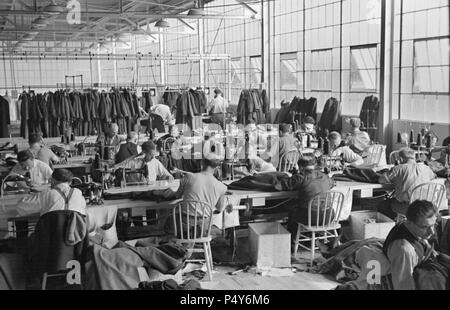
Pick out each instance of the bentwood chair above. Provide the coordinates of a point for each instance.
(323, 225)
(192, 227)
(374, 154)
(288, 161)
(394, 157)
(432, 192)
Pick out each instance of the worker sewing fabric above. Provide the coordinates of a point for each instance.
(358, 140)
(38, 172)
(40, 151)
(338, 150)
(155, 170)
(405, 178)
(256, 165)
(407, 245)
(54, 198)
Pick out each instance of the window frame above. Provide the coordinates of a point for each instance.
(414, 67)
(253, 70)
(327, 71)
(377, 69)
(286, 57)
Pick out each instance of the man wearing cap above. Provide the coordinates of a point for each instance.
(405, 178)
(54, 198)
(358, 140)
(38, 172)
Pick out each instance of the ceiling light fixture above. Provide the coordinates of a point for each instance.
(53, 8)
(196, 11)
(162, 24)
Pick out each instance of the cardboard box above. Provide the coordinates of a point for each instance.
(370, 224)
(270, 245)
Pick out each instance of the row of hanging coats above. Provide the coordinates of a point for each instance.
(297, 109)
(83, 113)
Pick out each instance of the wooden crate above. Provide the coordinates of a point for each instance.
(360, 229)
(270, 245)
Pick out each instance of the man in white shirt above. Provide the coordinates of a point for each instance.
(358, 140)
(405, 178)
(163, 111)
(218, 108)
(54, 199)
(257, 165)
(337, 150)
(38, 172)
(155, 169)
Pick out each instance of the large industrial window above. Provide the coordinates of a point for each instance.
(256, 70)
(322, 65)
(431, 65)
(288, 71)
(236, 71)
(363, 70)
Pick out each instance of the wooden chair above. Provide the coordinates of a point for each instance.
(329, 207)
(192, 228)
(374, 154)
(288, 161)
(394, 157)
(432, 192)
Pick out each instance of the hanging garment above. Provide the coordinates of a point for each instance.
(331, 119)
(369, 116)
(24, 115)
(283, 116)
(4, 118)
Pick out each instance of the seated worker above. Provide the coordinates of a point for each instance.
(336, 150)
(405, 178)
(40, 151)
(128, 149)
(256, 164)
(309, 182)
(54, 198)
(407, 246)
(309, 126)
(36, 171)
(111, 141)
(218, 108)
(163, 111)
(287, 142)
(147, 159)
(358, 140)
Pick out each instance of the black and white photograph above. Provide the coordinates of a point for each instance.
(227, 151)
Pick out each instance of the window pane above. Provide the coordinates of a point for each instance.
(363, 73)
(288, 71)
(256, 66)
(236, 71)
(431, 65)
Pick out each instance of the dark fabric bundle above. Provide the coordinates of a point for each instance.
(170, 285)
(262, 182)
(359, 175)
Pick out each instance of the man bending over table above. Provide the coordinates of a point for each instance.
(54, 198)
(405, 178)
(35, 173)
(338, 150)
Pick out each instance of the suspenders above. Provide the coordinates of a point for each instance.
(66, 198)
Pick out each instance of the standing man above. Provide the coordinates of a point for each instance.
(218, 108)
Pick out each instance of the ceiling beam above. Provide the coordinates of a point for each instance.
(137, 14)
